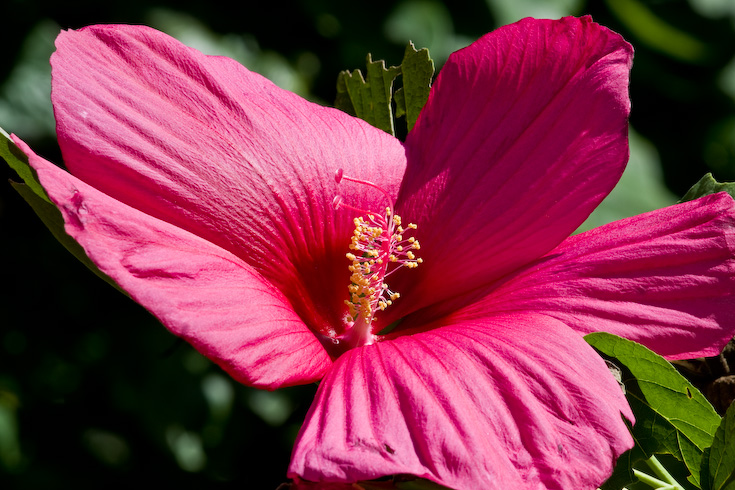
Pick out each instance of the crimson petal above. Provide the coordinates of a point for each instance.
(663, 279)
(524, 133)
(206, 145)
(201, 292)
(514, 401)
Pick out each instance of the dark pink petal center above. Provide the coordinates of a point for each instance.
(204, 144)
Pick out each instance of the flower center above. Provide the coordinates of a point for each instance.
(377, 244)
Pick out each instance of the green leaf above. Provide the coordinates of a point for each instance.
(18, 161)
(400, 100)
(720, 464)
(672, 416)
(417, 69)
(369, 99)
(342, 100)
(708, 185)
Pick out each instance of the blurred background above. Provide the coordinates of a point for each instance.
(94, 390)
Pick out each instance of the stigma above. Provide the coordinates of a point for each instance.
(380, 245)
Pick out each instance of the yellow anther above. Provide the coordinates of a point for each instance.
(372, 247)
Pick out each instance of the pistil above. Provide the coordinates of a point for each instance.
(377, 244)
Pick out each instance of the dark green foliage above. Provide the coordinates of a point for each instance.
(372, 98)
(672, 416)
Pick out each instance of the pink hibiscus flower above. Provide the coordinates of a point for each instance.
(207, 193)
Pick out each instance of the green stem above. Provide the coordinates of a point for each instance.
(651, 481)
(661, 472)
(663, 479)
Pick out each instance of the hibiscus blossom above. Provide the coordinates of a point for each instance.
(449, 348)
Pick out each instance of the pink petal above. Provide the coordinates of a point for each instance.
(206, 145)
(515, 401)
(664, 279)
(199, 291)
(524, 133)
